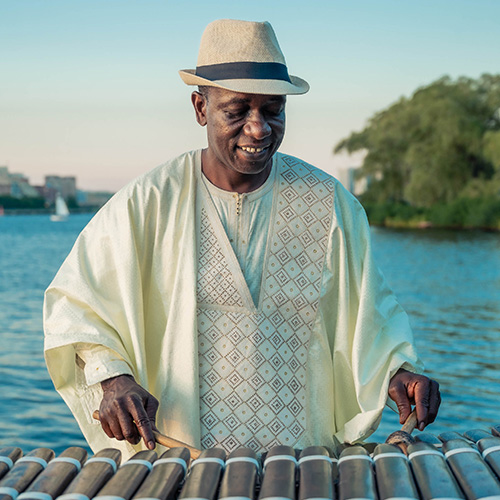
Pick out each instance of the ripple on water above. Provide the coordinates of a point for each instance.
(448, 282)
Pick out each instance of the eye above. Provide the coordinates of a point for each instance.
(275, 110)
(235, 114)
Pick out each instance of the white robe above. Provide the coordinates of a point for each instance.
(130, 283)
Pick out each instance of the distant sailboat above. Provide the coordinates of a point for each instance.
(62, 211)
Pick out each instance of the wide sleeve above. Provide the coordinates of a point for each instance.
(129, 285)
(368, 331)
(97, 297)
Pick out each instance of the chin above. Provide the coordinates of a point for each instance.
(255, 168)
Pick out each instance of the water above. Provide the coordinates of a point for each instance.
(31, 412)
(449, 282)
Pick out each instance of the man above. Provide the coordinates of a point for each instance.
(229, 297)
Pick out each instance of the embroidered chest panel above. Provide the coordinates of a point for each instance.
(216, 283)
(253, 361)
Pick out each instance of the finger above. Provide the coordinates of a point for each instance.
(106, 428)
(422, 397)
(128, 428)
(104, 419)
(116, 429)
(143, 423)
(434, 401)
(111, 426)
(399, 395)
(151, 409)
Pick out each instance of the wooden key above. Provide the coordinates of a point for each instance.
(403, 438)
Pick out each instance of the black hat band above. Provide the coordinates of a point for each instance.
(244, 70)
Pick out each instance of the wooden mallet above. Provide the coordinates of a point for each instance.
(403, 438)
(166, 441)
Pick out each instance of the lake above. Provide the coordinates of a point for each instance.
(449, 283)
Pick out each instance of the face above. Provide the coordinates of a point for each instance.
(243, 130)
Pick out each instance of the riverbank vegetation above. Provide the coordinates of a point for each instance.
(10, 202)
(434, 159)
(32, 203)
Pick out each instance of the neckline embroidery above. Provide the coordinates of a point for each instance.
(240, 285)
(300, 222)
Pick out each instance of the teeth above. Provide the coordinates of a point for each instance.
(252, 150)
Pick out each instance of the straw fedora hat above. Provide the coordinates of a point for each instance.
(243, 56)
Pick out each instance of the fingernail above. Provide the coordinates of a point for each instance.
(151, 445)
(421, 426)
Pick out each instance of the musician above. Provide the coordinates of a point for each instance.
(229, 297)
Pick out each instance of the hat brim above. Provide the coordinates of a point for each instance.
(249, 86)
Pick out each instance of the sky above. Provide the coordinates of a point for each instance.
(90, 87)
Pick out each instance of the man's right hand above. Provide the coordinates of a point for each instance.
(128, 411)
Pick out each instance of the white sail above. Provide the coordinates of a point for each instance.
(61, 207)
(62, 211)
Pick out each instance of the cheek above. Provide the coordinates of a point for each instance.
(279, 130)
(278, 125)
(223, 135)
(224, 141)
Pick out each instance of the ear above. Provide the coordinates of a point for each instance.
(200, 107)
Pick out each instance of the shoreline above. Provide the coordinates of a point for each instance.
(389, 223)
(429, 226)
(416, 224)
(462, 214)
(13, 212)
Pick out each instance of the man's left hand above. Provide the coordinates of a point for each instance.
(406, 389)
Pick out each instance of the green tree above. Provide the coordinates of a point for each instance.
(440, 144)
(9, 202)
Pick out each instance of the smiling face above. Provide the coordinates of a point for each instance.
(243, 131)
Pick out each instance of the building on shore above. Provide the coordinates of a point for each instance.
(92, 198)
(16, 185)
(65, 186)
(347, 176)
(21, 187)
(5, 182)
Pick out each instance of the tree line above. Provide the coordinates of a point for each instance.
(434, 157)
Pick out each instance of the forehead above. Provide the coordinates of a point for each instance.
(228, 97)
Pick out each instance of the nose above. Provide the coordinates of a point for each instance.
(257, 126)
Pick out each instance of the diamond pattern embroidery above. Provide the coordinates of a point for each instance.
(255, 424)
(253, 364)
(254, 444)
(216, 285)
(232, 422)
(235, 379)
(208, 441)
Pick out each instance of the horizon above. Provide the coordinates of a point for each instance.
(91, 89)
